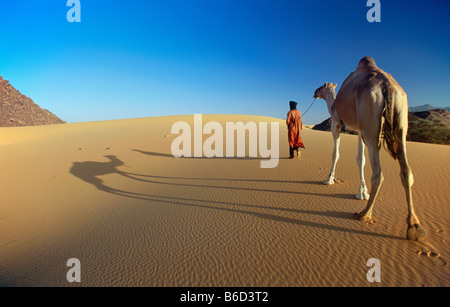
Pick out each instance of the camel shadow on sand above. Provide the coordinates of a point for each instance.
(90, 171)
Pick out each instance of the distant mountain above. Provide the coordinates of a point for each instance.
(426, 107)
(18, 110)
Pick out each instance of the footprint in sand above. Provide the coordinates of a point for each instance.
(428, 252)
(11, 243)
(438, 230)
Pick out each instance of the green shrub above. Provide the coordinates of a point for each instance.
(436, 131)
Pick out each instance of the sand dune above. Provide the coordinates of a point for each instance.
(112, 195)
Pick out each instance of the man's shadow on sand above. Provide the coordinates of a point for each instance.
(89, 171)
(165, 155)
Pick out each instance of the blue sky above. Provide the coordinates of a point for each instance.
(143, 58)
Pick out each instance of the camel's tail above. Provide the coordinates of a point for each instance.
(392, 130)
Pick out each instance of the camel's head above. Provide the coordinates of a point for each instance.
(322, 91)
(114, 160)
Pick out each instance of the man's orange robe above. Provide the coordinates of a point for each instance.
(294, 123)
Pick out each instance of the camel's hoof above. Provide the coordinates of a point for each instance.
(328, 182)
(362, 196)
(416, 233)
(363, 218)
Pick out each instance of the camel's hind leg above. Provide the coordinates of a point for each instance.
(415, 232)
(377, 180)
(336, 131)
(361, 162)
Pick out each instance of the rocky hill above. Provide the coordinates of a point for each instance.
(18, 110)
(431, 126)
(326, 126)
(433, 115)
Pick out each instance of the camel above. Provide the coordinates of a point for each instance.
(373, 103)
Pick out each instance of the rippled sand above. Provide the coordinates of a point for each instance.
(112, 195)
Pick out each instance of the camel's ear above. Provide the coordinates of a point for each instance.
(325, 85)
(334, 85)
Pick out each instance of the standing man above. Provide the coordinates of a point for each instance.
(294, 124)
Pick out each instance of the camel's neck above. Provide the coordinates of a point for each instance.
(329, 98)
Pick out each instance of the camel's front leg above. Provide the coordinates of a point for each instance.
(336, 130)
(360, 159)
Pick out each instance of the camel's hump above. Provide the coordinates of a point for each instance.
(367, 63)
